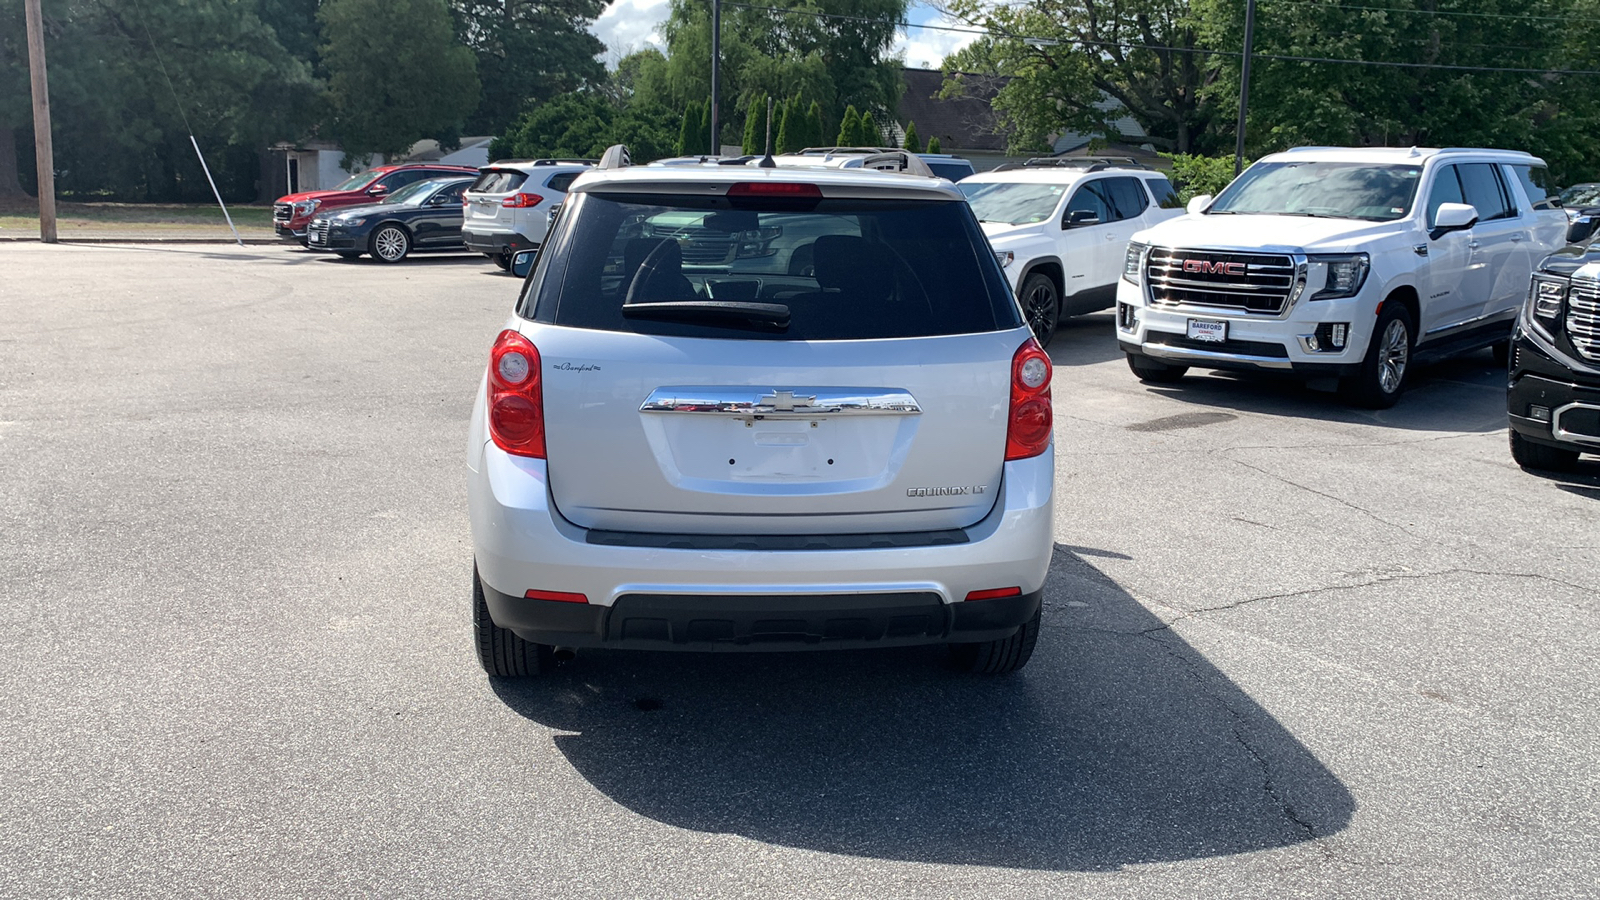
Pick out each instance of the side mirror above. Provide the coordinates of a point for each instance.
(522, 262)
(377, 190)
(1198, 205)
(1082, 217)
(1453, 217)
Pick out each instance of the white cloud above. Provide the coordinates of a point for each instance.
(926, 48)
(629, 25)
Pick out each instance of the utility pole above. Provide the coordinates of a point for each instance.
(716, 63)
(41, 124)
(1244, 82)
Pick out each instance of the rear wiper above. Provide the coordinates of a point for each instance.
(768, 315)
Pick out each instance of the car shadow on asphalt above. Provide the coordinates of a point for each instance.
(1084, 340)
(1119, 744)
(1465, 394)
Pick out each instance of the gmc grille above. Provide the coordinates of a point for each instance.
(1583, 318)
(282, 212)
(1250, 282)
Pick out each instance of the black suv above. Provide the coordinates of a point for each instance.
(1553, 393)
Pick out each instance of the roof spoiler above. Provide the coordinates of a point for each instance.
(615, 157)
(898, 161)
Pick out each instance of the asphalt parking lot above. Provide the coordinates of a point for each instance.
(1291, 649)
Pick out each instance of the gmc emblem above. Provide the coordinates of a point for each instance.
(1203, 267)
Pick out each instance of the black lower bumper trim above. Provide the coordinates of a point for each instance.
(496, 244)
(717, 622)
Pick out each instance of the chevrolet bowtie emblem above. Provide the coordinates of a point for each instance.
(786, 401)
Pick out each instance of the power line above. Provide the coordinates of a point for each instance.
(1201, 51)
(1431, 12)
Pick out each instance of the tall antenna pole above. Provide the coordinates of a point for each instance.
(1244, 82)
(42, 147)
(716, 63)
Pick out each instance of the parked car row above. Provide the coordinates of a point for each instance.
(1346, 267)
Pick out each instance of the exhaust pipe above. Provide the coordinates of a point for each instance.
(564, 654)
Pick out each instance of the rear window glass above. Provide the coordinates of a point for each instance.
(562, 182)
(498, 181)
(1162, 189)
(952, 171)
(1536, 184)
(832, 269)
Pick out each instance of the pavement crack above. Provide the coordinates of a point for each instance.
(1311, 490)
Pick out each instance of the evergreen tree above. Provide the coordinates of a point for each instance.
(691, 120)
(755, 125)
(871, 135)
(708, 141)
(933, 145)
(815, 133)
(913, 141)
(787, 125)
(849, 127)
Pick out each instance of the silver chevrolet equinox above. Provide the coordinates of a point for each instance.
(761, 408)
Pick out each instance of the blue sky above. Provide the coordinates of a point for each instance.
(628, 25)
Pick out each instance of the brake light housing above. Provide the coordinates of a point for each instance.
(1030, 418)
(516, 396)
(521, 201)
(787, 189)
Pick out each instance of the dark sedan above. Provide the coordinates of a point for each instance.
(418, 218)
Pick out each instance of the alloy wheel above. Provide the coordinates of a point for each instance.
(1393, 354)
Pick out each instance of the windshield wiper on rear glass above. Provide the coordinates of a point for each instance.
(763, 315)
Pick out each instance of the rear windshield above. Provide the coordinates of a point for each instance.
(834, 269)
(953, 171)
(498, 181)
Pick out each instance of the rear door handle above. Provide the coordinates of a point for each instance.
(1472, 245)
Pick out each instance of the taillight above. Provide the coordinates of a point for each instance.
(1028, 428)
(520, 201)
(516, 396)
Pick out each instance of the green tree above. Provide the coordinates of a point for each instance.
(933, 145)
(839, 58)
(583, 124)
(1196, 175)
(395, 73)
(755, 116)
(871, 135)
(785, 141)
(709, 143)
(913, 142)
(1060, 61)
(687, 143)
(816, 132)
(527, 51)
(849, 127)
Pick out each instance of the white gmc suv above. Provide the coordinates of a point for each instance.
(1060, 228)
(1349, 263)
(746, 408)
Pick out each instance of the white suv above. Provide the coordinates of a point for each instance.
(1060, 227)
(508, 208)
(1336, 263)
(761, 408)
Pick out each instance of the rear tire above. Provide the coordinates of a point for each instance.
(1002, 656)
(502, 261)
(1541, 457)
(502, 653)
(1150, 371)
(1384, 371)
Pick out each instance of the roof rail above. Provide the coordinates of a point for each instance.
(898, 161)
(615, 157)
(1086, 163)
(543, 162)
(829, 151)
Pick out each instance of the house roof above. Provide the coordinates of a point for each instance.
(962, 123)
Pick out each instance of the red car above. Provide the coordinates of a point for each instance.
(293, 212)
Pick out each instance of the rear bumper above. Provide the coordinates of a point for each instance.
(670, 597)
(495, 243)
(728, 622)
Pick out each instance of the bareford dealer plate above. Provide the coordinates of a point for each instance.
(1208, 330)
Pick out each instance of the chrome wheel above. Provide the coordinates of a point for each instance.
(1393, 354)
(390, 244)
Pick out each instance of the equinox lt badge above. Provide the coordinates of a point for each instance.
(944, 491)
